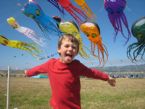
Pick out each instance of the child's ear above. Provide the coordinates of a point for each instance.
(58, 50)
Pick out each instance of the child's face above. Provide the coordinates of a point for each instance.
(68, 50)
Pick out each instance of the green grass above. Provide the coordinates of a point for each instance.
(28, 93)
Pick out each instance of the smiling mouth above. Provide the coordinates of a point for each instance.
(69, 55)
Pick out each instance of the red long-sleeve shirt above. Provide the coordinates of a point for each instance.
(65, 81)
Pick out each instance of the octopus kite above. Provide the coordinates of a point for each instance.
(92, 31)
(70, 27)
(117, 17)
(26, 31)
(75, 12)
(137, 49)
(45, 23)
(30, 48)
(85, 8)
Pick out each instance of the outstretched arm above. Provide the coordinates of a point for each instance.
(40, 69)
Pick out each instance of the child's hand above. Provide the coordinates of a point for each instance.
(25, 72)
(112, 81)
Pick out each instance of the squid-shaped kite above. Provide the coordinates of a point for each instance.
(92, 31)
(84, 6)
(45, 23)
(117, 17)
(71, 27)
(26, 31)
(30, 48)
(137, 49)
(75, 12)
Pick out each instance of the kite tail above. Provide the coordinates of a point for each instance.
(135, 50)
(24, 46)
(80, 12)
(104, 53)
(81, 49)
(55, 3)
(87, 10)
(30, 34)
(77, 10)
(119, 27)
(73, 10)
(130, 54)
(124, 20)
(48, 56)
(34, 47)
(113, 22)
(74, 15)
(31, 48)
(93, 47)
(83, 53)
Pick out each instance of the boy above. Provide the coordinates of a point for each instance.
(64, 74)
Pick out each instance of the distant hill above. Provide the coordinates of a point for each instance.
(128, 68)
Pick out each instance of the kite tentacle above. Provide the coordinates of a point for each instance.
(77, 10)
(85, 8)
(55, 3)
(70, 8)
(74, 15)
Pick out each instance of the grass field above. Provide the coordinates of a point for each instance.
(28, 93)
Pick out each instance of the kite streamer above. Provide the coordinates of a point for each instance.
(26, 31)
(85, 8)
(45, 23)
(57, 5)
(75, 12)
(30, 48)
(137, 49)
(117, 17)
(92, 31)
(72, 28)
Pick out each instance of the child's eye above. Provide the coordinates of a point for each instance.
(74, 47)
(66, 46)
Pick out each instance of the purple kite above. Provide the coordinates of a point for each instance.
(117, 17)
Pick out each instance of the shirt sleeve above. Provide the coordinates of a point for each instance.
(92, 72)
(40, 69)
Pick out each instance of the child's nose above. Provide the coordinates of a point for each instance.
(70, 48)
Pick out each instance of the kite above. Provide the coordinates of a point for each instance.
(85, 8)
(26, 31)
(71, 27)
(75, 12)
(45, 23)
(30, 48)
(117, 17)
(137, 49)
(92, 31)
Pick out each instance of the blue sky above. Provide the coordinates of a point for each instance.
(117, 51)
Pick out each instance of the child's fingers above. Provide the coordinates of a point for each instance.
(25, 72)
(112, 81)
